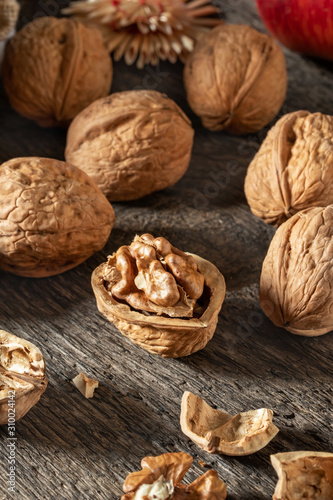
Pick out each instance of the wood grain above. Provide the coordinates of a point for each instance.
(72, 448)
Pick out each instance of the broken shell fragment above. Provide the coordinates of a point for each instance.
(163, 299)
(218, 432)
(22, 377)
(85, 385)
(303, 475)
(161, 476)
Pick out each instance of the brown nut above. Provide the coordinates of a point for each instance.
(218, 432)
(297, 274)
(131, 143)
(303, 474)
(164, 300)
(293, 169)
(235, 79)
(22, 377)
(54, 68)
(52, 217)
(160, 478)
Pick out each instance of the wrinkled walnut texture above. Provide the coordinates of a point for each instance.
(164, 300)
(131, 143)
(235, 79)
(22, 376)
(293, 169)
(153, 276)
(54, 68)
(303, 474)
(218, 432)
(173, 467)
(297, 274)
(52, 217)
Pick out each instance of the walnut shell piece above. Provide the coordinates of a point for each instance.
(235, 79)
(293, 169)
(22, 377)
(218, 432)
(133, 301)
(85, 385)
(297, 274)
(53, 68)
(303, 474)
(161, 476)
(52, 217)
(131, 143)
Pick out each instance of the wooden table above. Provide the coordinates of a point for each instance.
(72, 448)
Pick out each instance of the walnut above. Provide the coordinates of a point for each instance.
(53, 68)
(293, 169)
(303, 474)
(85, 385)
(297, 274)
(131, 143)
(235, 79)
(52, 217)
(160, 479)
(218, 432)
(163, 299)
(22, 377)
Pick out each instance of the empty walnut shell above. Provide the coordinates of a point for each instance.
(296, 286)
(218, 432)
(22, 377)
(293, 169)
(161, 477)
(131, 143)
(172, 310)
(53, 68)
(52, 217)
(235, 79)
(303, 474)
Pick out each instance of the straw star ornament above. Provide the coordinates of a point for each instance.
(148, 30)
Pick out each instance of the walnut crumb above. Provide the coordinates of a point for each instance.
(85, 385)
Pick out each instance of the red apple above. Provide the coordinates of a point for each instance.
(305, 26)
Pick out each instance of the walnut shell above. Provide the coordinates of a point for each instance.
(218, 432)
(22, 377)
(303, 474)
(164, 473)
(297, 274)
(131, 143)
(293, 169)
(235, 79)
(53, 68)
(168, 330)
(52, 217)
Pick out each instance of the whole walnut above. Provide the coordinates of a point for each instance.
(53, 68)
(296, 286)
(235, 79)
(293, 169)
(52, 217)
(131, 143)
(163, 299)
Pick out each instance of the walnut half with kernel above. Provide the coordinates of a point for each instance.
(22, 377)
(303, 475)
(163, 299)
